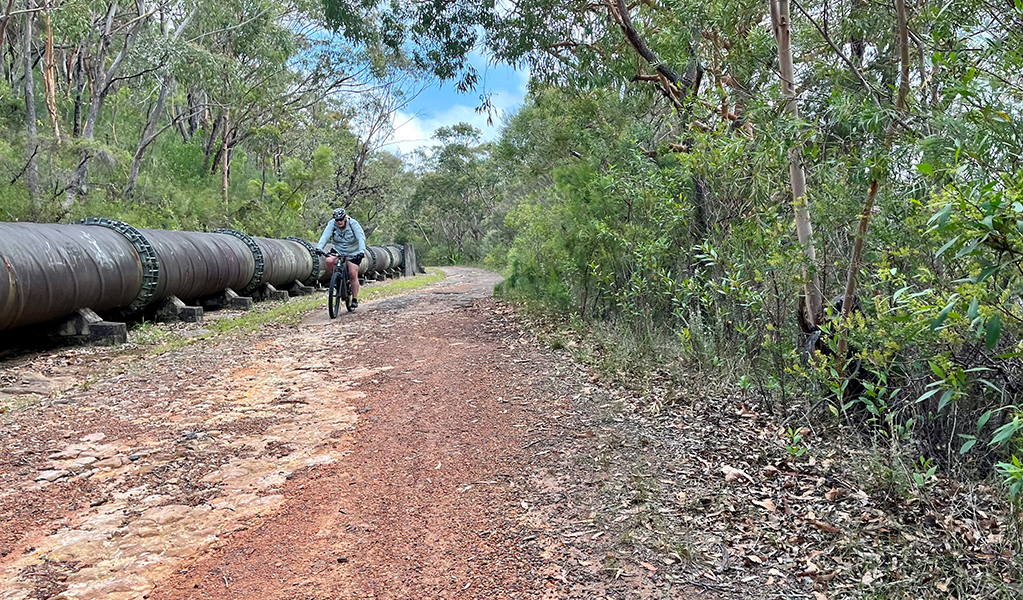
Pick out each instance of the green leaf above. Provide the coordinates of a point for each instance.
(945, 398)
(967, 249)
(936, 323)
(941, 216)
(986, 273)
(925, 168)
(993, 387)
(984, 418)
(947, 245)
(994, 331)
(1005, 432)
(969, 444)
(974, 310)
(927, 395)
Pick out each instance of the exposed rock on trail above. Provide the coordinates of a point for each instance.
(377, 455)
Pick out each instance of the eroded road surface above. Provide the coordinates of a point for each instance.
(421, 447)
(373, 456)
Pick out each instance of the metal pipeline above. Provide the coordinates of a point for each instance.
(50, 271)
(286, 262)
(194, 265)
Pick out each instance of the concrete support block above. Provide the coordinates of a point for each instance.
(172, 308)
(84, 326)
(269, 292)
(227, 299)
(297, 289)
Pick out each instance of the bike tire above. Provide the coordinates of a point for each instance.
(348, 293)
(334, 295)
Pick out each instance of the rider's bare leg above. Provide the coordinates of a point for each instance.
(353, 271)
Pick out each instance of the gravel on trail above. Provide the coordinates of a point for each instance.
(412, 449)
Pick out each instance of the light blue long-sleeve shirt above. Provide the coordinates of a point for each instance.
(348, 241)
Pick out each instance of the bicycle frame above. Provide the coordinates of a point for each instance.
(340, 287)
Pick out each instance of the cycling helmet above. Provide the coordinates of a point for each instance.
(339, 213)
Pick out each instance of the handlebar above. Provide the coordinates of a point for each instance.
(334, 252)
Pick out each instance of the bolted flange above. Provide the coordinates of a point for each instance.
(257, 255)
(319, 264)
(147, 257)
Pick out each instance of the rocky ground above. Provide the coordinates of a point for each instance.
(427, 446)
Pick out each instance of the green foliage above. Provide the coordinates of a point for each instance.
(655, 224)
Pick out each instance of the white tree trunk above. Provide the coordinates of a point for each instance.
(32, 144)
(797, 173)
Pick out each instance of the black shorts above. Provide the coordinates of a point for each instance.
(357, 260)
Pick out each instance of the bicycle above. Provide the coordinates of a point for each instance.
(340, 287)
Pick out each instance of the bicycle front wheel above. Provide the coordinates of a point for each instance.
(348, 293)
(334, 295)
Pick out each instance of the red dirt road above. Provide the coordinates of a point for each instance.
(425, 446)
(422, 506)
(375, 456)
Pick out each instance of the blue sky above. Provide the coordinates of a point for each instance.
(441, 105)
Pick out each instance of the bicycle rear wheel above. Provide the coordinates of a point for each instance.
(334, 295)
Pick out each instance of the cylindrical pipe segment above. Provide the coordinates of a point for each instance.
(381, 259)
(258, 274)
(195, 264)
(397, 256)
(51, 270)
(319, 263)
(286, 261)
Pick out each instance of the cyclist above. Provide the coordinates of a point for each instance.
(349, 240)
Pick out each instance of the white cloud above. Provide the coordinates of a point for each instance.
(412, 131)
(507, 88)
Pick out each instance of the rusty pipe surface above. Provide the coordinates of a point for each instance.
(194, 264)
(52, 270)
(286, 262)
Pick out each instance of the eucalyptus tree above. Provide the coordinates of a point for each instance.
(113, 32)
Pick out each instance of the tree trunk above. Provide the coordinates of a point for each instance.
(100, 80)
(80, 177)
(76, 130)
(180, 122)
(225, 151)
(32, 144)
(797, 174)
(3, 35)
(903, 32)
(854, 269)
(147, 137)
(50, 79)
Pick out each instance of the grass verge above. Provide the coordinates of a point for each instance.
(277, 313)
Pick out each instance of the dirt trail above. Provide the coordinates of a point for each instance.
(381, 455)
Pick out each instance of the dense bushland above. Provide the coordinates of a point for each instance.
(647, 188)
(660, 184)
